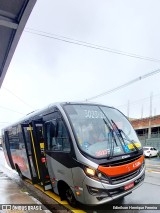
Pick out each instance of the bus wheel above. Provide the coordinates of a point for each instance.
(70, 197)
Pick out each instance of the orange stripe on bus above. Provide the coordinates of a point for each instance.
(123, 169)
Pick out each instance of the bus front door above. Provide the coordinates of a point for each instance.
(35, 148)
(29, 151)
(38, 137)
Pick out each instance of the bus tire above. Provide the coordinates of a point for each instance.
(70, 197)
(66, 193)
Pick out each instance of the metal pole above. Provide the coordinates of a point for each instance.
(142, 112)
(150, 116)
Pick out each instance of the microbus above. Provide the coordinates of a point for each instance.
(84, 152)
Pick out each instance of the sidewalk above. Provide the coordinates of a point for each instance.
(11, 194)
(13, 197)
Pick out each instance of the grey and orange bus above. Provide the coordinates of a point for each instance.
(84, 152)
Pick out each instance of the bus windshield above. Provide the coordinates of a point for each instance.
(102, 131)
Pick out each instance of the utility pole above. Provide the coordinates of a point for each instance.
(142, 112)
(150, 116)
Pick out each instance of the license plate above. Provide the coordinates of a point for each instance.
(129, 186)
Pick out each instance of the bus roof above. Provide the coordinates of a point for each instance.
(48, 108)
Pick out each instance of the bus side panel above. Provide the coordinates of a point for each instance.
(18, 151)
(7, 153)
(78, 179)
(19, 157)
(59, 172)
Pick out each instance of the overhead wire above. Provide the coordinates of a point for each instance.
(124, 85)
(20, 99)
(93, 46)
(87, 44)
(147, 99)
(4, 123)
(6, 108)
(137, 101)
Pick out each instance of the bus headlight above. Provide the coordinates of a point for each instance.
(90, 172)
(96, 175)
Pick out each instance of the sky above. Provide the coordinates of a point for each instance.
(45, 70)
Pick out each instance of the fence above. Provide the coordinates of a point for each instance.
(154, 141)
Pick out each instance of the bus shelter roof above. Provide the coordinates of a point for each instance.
(13, 17)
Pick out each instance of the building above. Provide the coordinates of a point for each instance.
(148, 130)
(147, 127)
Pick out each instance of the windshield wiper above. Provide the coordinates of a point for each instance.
(118, 134)
(131, 141)
(110, 138)
(126, 137)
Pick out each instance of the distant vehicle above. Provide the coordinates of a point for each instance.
(150, 151)
(1, 148)
(85, 152)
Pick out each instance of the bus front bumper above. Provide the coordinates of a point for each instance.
(96, 193)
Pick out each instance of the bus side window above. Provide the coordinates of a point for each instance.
(62, 138)
(50, 134)
(13, 139)
(57, 136)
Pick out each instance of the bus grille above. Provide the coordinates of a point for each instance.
(121, 162)
(126, 177)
